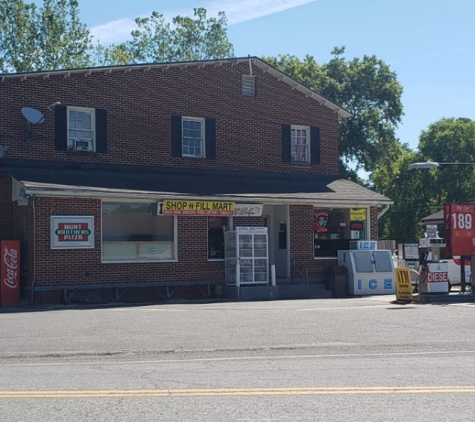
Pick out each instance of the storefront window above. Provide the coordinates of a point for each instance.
(134, 232)
(216, 228)
(333, 228)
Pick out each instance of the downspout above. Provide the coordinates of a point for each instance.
(383, 211)
(32, 299)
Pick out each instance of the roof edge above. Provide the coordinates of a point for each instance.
(261, 64)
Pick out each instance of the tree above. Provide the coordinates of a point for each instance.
(413, 196)
(184, 39)
(365, 87)
(45, 38)
(451, 140)
(419, 193)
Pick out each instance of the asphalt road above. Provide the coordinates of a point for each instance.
(361, 359)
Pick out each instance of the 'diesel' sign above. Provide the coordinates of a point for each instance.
(459, 220)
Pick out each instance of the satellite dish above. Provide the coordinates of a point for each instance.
(32, 115)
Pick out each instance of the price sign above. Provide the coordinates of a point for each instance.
(459, 229)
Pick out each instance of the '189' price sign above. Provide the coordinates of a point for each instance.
(459, 229)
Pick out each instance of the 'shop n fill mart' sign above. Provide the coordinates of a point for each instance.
(72, 232)
(178, 207)
(209, 208)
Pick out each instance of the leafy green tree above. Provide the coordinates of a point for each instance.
(36, 38)
(365, 87)
(419, 193)
(412, 193)
(451, 140)
(184, 39)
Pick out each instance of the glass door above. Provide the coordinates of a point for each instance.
(260, 260)
(246, 258)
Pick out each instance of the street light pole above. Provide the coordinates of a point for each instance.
(432, 165)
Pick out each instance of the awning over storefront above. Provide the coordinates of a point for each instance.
(436, 218)
(47, 178)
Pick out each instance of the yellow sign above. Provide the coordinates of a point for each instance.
(172, 207)
(358, 214)
(403, 284)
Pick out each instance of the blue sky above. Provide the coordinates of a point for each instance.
(430, 44)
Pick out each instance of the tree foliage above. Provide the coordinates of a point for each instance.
(419, 193)
(183, 39)
(36, 38)
(365, 87)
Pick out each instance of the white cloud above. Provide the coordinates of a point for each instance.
(237, 11)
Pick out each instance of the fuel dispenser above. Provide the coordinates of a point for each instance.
(433, 273)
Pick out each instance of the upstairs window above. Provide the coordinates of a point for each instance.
(193, 137)
(80, 129)
(300, 144)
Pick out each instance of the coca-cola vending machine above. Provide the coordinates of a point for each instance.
(10, 273)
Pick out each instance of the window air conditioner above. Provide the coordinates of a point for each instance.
(83, 145)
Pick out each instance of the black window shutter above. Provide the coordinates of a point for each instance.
(101, 130)
(176, 136)
(315, 145)
(286, 156)
(61, 127)
(210, 138)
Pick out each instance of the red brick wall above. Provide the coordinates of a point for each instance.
(5, 207)
(140, 103)
(71, 266)
(374, 223)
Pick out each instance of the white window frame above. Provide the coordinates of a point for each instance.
(71, 142)
(292, 144)
(203, 143)
(139, 261)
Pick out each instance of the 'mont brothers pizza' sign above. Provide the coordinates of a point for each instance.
(72, 232)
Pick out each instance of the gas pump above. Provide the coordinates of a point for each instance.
(433, 273)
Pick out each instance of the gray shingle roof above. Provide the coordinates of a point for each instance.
(106, 180)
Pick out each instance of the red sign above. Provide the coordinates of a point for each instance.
(437, 277)
(459, 229)
(10, 272)
(356, 225)
(320, 220)
(73, 232)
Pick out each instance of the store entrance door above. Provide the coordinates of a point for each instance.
(276, 219)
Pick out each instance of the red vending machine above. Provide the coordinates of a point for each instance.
(10, 272)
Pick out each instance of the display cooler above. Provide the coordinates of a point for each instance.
(247, 257)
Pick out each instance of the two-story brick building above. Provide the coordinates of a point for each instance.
(130, 175)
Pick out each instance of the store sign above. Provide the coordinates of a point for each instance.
(356, 225)
(403, 284)
(320, 221)
(172, 207)
(248, 210)
(459, 229)
(438, 272)
(358, 214)
(72, 232)
(10, 272)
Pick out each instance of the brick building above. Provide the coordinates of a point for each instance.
(124, 177)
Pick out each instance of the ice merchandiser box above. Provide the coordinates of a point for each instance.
(370, 271)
